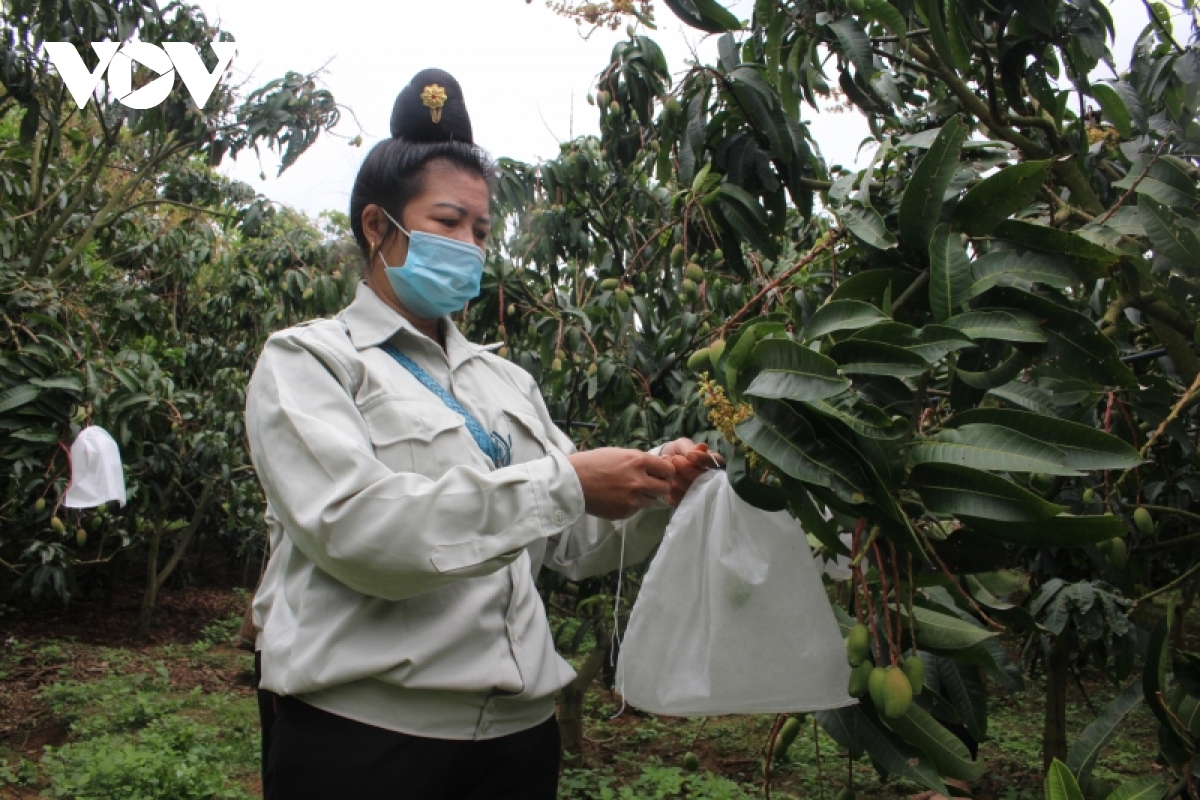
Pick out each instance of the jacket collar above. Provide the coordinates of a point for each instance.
(371, 322)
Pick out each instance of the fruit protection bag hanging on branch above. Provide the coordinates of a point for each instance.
(732, 616)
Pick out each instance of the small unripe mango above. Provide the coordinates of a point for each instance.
(592, 369)
(691, 762)
(39, 505)
(689, 287)
(787, 735)
(80, 537)
(614, 107)
(914, 670)
(1143, 521)
(1118, 554)
(694, 272)
(1089, 496)
(897, 693)
(858, 644)
(57, 525)
(715, 351)
(677, 256)
(608, 284)
(875, 686)
(699, 360)
(860, 678)
(622, 298)
(1041, 481)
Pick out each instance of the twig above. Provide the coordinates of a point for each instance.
(1161, 27)
(1192, 391)
(1133, 187)
(887, 613)
(1192, 570)
(779, 720)
(699, 730)
(991, 623)
(908, 293)
(831, 239)
(817, 745)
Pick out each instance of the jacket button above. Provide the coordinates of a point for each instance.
(560, 517)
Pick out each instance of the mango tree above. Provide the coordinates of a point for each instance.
(976, 352)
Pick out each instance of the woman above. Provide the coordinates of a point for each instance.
(415, 485)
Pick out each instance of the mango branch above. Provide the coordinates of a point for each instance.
(831, 238)
(1192, 392)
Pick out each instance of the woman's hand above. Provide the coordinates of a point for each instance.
(690, 460)
(618, 482)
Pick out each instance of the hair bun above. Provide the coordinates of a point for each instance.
(431, 109)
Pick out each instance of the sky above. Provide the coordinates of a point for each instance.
(525, 72)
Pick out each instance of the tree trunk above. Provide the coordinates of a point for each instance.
(150, 595)
(1054, 734)
(570, 702)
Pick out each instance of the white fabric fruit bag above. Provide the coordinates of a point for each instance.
(732, 616)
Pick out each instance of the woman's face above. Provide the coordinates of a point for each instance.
(455, 204)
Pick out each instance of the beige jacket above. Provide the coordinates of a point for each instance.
(400, 587)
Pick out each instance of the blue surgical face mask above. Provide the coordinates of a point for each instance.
(439, 274)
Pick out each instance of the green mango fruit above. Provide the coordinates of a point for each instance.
(677, 256)
(695, 272)
(914, 669)
(858, 644)
(1118, 553)
(787, 735)
(57, 525)
(80, 537)
(1041, 481)
(39, 505)
(699, 360)
(897, 693)
(860, 678)
(608, 284)
(715, 351)
(690, 762)
(622, 298)
(1089, 496)
(875, 686)
(1143, 521)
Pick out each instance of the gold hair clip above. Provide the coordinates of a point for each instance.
(434, 97)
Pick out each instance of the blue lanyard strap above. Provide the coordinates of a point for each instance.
(493, 446)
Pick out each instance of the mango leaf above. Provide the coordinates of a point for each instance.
(867, 225)
(840, 315)
(1172, 236)
(1096, 736)
(949, 273)
(1006, 268)
(1147, 787)
(991, 447)
(1061, 784)
(943, 632)
(858, 728)
(933, 14)
(963, 685)
(747, 217)
(706, 15)
(1076, 345)
(1085, 447)
(750, 489)
(921, 205)
(1026, 396)
(999, 196)
(17, 396)
(1154, 678)
(1133, 103)
(1061, 531)
(801, 504)
(886, 15)
(1008, 325)
(856, 45)
(1053, 240)
(999, 375)
(865, 357)
(872, 285)
(950, 489)
(931, 343)
(944, 749)
(1163, 179)
(1113, 108)
(791, 371)
(862, 418)
(787, 440)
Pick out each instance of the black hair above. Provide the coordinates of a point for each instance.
(429, 123)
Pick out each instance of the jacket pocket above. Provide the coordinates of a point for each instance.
(416, 436)
(529, 441)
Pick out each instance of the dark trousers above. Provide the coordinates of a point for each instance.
(315, 755)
